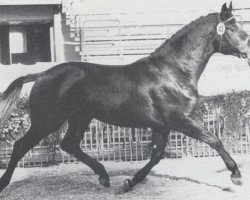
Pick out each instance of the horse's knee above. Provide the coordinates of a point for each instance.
(157, 156)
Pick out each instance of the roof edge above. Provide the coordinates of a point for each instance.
(29, 2)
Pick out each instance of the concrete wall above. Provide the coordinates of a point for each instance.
(224, 74)
(10, 73)
(68, 53)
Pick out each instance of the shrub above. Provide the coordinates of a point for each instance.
(51, 142)
(18, 122)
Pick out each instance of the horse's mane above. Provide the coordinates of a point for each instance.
(183, 32)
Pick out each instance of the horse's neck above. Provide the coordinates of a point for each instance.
(191, 50)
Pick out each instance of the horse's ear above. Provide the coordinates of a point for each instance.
(224, 8)
(230, 8)
(225, 12)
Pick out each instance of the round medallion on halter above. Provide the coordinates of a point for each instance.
(221, 28)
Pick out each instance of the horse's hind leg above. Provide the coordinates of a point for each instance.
(71, 144)
(191, 128)
(159, 140)
(21, 147)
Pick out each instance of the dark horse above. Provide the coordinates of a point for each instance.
(158, 91)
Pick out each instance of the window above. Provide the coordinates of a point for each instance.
(18, 39)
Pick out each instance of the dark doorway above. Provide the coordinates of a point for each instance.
(38, 42)
(4, 45)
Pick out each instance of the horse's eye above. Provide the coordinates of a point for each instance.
(232, 28)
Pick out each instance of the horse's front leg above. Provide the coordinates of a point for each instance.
(159, 139)
(190, 128)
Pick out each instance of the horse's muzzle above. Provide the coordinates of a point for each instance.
(244, 55)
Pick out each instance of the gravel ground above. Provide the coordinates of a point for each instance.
(189, 179)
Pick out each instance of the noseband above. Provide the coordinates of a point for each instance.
(221, 30)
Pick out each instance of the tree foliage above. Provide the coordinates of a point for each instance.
(51, 143)
(232, 107)
(18, 123)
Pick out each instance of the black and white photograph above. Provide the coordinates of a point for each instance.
(124, 99)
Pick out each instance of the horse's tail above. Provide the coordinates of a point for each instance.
(10, 96)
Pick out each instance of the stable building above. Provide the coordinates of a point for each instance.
(28, 31)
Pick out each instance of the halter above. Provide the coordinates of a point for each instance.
(221, 29)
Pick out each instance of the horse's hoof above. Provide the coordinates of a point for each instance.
(126, 186)
(227, 189)
(236, 178)
(105, 182)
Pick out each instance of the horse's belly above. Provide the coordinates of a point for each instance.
(133, 115)
(140, 113)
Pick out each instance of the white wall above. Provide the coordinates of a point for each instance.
(223, 73)
(131, 6)
(10, 73)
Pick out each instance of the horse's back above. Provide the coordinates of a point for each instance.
(115, 94)
(69, 86)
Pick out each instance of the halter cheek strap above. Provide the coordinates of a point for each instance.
(221, 29)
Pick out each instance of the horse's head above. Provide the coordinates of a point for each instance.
(231, 38)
